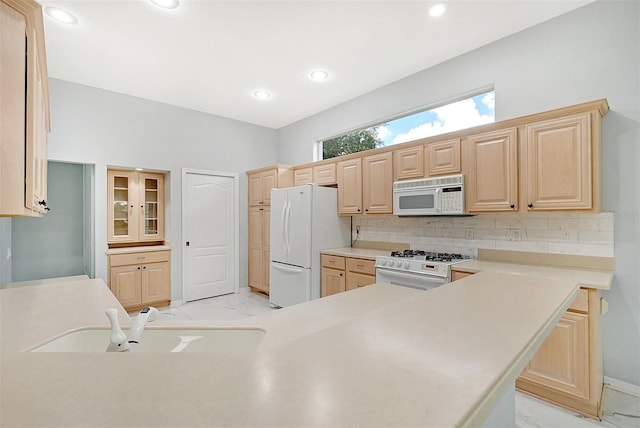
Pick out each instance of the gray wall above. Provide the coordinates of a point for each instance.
(587, 54)
(93, 126)
(52, 246)
(5, 248)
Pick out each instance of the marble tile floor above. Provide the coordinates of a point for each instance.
(618, 407)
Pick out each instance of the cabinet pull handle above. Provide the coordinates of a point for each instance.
(530, 205)
(360, 266)
(332, 262)
(142, 257)
(42, 202)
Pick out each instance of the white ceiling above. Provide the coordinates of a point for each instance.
(210, 55)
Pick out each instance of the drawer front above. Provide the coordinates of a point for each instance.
(367, 267)
(139, 258)
(334, 262)
(581, 302)
(356, 280)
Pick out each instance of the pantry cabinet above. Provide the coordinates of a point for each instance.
(141, 278)
(24, 102)
(567, 369)
(492, 180)
(135, 207)
(261, 181)
(259, 244)
(560, 163)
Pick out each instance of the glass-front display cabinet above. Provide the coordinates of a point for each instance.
(135, 207)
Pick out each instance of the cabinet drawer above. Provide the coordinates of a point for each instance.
(335, 262)
(367, 267)
(356, 280)
(138, 258)
(581, 302)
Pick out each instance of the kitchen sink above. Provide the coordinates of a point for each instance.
(162, 340)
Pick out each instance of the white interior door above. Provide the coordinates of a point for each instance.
(210, 234)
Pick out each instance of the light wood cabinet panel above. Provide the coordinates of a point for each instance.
(333, 262)
(408, 163)
(357, 280)
(350, 186)
(135, 207)
(442, 157)
(363, 266)
(333, 281)
(261, 181)
(259, 242)
(24, 102)
(559, 164)
(155, 282)
(562, 360)
(567, 369)
(325, 175)
(302, 176)
(377, 184)
(456, 275)
(256, 268)
(492, 181)
(139, 279)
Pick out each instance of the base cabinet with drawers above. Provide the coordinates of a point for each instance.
(345, 273)
(140, 279)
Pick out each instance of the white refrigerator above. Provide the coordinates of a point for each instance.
(304, 221)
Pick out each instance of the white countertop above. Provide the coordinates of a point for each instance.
(129, 250)
(600, 280)
(381, 355)
(363, 253)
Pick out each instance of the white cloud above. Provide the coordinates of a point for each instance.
(451, 117)
(490, 100)
(383, 132)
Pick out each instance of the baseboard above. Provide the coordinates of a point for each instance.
(622, 386)
(175, 303)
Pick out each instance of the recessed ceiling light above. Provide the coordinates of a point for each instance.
(139, 169)
(166, 4)
(262, 95)
(319, 75)
(437, 9)
(61, 15)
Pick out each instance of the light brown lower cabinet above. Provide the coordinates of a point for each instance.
(345, 273)
(458, 274)
(567, 369)
(141, 279)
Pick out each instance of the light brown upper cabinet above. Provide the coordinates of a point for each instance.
(350, 186)
(262, 180)
(325, 174)
(302, 176)
(560, 164)
(408, 163)
(377, 183)
(135, 207)
(492, 181)
(442, 157)
(24, 102)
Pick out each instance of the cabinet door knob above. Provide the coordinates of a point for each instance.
(366, 210)
(530, 205)
(512, 206)
(42, 202)
(138, 267)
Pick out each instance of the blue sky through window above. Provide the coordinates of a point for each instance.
(474, 111)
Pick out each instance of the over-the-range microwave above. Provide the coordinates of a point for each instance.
(429, 196)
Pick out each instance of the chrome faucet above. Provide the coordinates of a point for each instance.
(119, 342)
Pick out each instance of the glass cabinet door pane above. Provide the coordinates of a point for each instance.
(150, 206)
(120, 206)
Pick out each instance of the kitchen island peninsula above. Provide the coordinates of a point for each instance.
(381, 355)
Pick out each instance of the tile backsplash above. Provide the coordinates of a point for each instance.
(558, 233)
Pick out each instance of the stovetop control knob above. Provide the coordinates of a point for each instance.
(399, 263)
(382, 262)
(406, 264)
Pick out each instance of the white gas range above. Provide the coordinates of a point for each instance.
(417, 269)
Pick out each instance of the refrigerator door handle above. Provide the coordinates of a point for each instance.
(286, 268)
(287, 226)
(283, 218)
